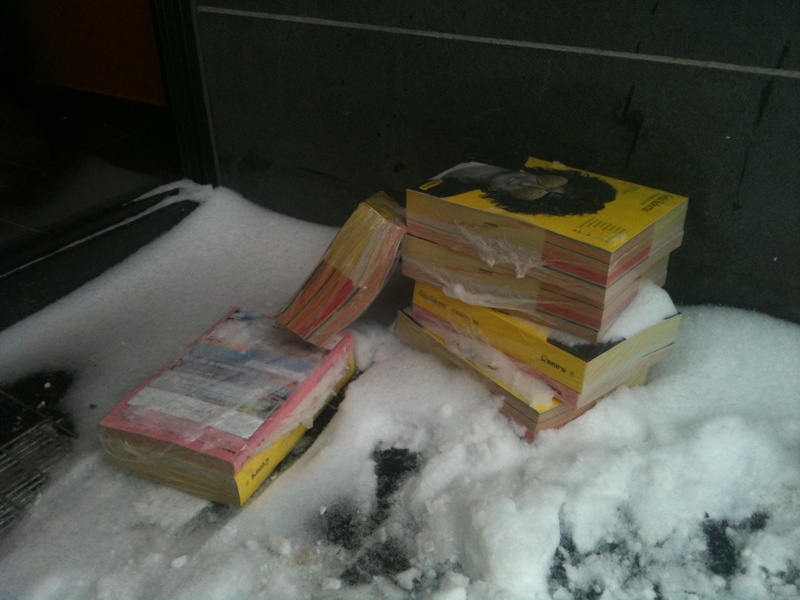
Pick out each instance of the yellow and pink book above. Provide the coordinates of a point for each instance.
(220, 417)
(351, 273)
(545, 217)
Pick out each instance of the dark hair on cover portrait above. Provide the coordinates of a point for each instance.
(533, 191)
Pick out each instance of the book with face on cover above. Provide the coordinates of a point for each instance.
(350, 275)
(219, 418)
(545, 217)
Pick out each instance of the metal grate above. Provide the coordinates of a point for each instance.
(25, 463)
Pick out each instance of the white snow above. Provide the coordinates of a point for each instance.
(688, 487)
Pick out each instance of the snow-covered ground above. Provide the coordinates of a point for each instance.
(688, 487)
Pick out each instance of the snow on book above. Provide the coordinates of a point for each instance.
(221, 416)
(527, 400)
(644, 334)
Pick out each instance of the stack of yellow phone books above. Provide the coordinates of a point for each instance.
(545, 377)
(219, 419)
(351, 273)
(557, 245)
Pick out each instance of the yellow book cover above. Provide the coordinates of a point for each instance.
(545, 197)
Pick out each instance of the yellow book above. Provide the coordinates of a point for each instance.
(533, 411)
(544, 216)
(584, 369)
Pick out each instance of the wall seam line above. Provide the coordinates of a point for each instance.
(654, 58)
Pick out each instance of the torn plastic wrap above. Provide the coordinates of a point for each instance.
(499, 251)
(232, 399)
(472, 289)
(522, 296)
(559, 304)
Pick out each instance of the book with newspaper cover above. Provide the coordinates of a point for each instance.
(220, 417)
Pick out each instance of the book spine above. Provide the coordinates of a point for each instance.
(261, 466)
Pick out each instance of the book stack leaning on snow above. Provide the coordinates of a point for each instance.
(546, 377)
(559, 246)
(352, 271)
(218, 420)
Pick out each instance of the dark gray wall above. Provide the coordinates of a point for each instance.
(315, 105)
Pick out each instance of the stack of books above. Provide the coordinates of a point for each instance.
(219, 419)
(559, 246)
(543, 282)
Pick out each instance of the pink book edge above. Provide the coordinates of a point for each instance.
(224, 446)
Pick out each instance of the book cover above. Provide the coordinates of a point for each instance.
(546, 215)
(350, 275)
(587, 369)
(229, 402)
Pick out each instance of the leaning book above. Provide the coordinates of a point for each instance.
(350, 274)
(219, 419)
